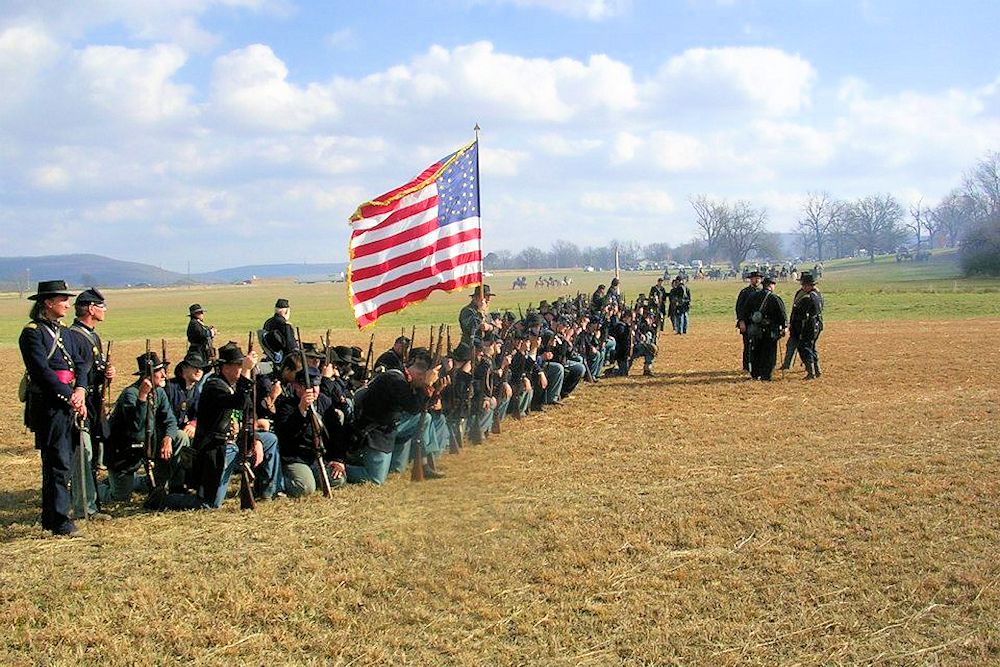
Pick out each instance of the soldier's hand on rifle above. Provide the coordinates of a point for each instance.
(308, 398)
(249, 362)
(328, 371)
(742, 326)
(337, 470)
(190, 428)
(258, 453)
(166, 448)
(109, 372)
(145, 386)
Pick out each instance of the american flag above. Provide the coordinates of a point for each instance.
(422, 236)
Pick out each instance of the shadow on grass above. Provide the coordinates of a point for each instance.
(679, 379)
(19, 510)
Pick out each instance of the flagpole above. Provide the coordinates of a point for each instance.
(482, 266)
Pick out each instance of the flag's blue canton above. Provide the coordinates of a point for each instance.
(458, 189)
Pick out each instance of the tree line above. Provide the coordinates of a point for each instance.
(828, 228)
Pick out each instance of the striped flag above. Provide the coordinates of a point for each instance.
(422, 236)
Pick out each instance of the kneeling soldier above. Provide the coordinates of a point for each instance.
(296, 431)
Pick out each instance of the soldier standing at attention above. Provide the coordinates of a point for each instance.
(56, 394)
(472, 318)
(743, 313)
(91, 309)
(199, 334)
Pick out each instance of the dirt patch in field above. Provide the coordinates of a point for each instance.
(694, 517)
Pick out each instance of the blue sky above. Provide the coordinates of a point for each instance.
(165, 131)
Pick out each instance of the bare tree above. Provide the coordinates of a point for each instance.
(920, 219)
(658, 252)
(741, 231)
(983, 185)
(565, 254)
(710, 216)
(533, 258)
(818, 212)
(875, 223)
(952, 216)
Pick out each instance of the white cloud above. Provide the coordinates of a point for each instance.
(174, 21)
(635, 200)
(25, 51)
(674, 151)
(593, 10)
(767, 80)
(501, 162)
(559, 145)
(134, 84)
(250, 86)
(498, 85)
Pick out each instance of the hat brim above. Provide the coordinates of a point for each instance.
(41, 296)
(157, 367)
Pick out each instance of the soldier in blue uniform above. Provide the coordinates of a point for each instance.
(90, 310)
(56, 374)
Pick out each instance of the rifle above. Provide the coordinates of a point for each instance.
(368, 358)
(449, 339)
(247, 437)
(105, 388)
(437, 347)
(317, 427)
(430, 338)
(81, 426)
(413, 339)
(327, 349)
(163, 354)
(520, 315)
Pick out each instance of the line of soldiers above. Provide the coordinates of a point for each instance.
(302, 418)
(761, 320)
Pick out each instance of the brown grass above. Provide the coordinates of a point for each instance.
(689, 518)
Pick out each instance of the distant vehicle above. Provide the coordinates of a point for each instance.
(589, 269)
(697, 263)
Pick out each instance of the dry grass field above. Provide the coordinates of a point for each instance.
(693, 517)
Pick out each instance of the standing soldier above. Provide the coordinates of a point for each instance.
(743, 313)
(199, 334)
(279, 336)
(680, 299)
(472, 318)
(55, 395)
(807, 324)
(658, 294)
(91, 309)
(767, 326)
(792, 345)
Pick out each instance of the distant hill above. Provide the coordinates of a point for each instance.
(81, 270)
(24, 273)
(303, 272)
